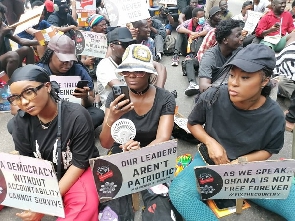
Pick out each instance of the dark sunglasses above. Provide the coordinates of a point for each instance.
(123, 44)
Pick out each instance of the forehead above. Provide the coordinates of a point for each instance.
(248, 7)
(235, 31)
(194, 1)
(223, 3)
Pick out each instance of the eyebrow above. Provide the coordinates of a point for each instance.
(27, 87)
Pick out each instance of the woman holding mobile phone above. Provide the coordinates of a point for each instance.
(150, 108)
(35, 135)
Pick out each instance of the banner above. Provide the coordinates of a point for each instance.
(252, 21)
(122, 12)
(133, 171)
(30, 184)
(91, 44)
(4, 92)
(253, 180)
(67, 85)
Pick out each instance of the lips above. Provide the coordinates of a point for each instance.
(30, 109)
(232, 93)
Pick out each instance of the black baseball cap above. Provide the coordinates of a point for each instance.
(213, 11)
(246, 3)
(121, 34)
(254, 57)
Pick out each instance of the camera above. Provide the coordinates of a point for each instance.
(165, 10)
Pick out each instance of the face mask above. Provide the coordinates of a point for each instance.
(201, 21)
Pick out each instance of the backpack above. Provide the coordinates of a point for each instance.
(169, 45)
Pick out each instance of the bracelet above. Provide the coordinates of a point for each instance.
(108, 124)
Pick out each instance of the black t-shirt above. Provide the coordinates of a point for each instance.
(187, 11)
(239, 131)
(77, 137)
(147, 124)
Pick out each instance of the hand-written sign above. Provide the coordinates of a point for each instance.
(67, 85)
(30, 184)
(133, 171)
(265, 179)
(252, 21)
(86, 6)
(168, 2)
(122, 12)
(91, 44)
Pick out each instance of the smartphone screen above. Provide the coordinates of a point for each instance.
(81, 84)
(121, 89)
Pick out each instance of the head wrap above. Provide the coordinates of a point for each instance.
(30, 72)
(94, 20)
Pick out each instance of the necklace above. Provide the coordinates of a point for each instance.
(44, 127)
(140, 92)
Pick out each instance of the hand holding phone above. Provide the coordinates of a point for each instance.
(81, 84)
(121, 89)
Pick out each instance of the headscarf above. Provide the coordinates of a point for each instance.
(94, 20)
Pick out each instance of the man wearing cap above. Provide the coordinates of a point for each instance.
(191, 63)
(60, 59)
(278, 23)
(210, 4)
(61, 18)
(119, 39)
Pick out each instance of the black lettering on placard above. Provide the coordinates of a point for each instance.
(240, 180)
(269, 187)
(30, 169)
(32, 189)
(281, 179)
(19, 196)
(48, 202)
(263, 179)
(29, 180)
(69, 84)
(234, 188)
(2, 165)
(245, 172)
(129, 162)
(231, 173)
(64, 92)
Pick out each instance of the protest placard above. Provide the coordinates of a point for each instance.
(67, 85)
(168, 2)
(28, 20)
(122, 12)
(4, 92)
(45, 35)
(91, 44)
(252, 21)
(30, 184)
(86, 6)
(133, 171)
(265, 179)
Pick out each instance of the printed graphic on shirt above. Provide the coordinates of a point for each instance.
(3, 187)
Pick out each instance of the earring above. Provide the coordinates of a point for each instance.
(262, 87)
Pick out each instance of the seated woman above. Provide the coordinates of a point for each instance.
(151, 108)
(241, 120)
(35, 134)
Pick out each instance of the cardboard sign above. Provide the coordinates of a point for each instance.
(30, 184)
(28, 20)
(133, 171)
(88, 6)
(67, 85)
(45, 35)
(253, 180)
(4, 92)
(122, 12)
(252, 20)
(82, 17)
(168, 2)
(91, 44)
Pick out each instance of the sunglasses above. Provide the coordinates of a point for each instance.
(138, 74)
(123, 44)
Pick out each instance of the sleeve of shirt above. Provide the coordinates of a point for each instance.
(207, 64)
(169, 104)
(262, 26)
(53, 20)
(73, 22)
(103, 73)
(84, 75)
(184, 24)
(290, 24)
(109, 100)
(208, 42)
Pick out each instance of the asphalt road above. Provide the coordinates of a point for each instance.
(175, 81)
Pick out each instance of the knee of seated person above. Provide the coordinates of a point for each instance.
(12, 56)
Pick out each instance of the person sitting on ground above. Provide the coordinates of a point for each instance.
(247, 5)
(98, 25)
(191, 34)
(181, 4)
(166, 19)
(60, 59)
(229, 41)
(35, 135)
(191, 64)
(255, 132)
(261, 5)
(274, 23)
(119, 39)
(143, 33)
(11, 60)
(61, 18)
(292, 11)
(186, 13)
(210, 4)
(225, 13)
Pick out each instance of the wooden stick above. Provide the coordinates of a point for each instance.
(239, 206)
(135, 201)
(24, 21)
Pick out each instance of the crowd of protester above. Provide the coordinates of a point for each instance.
(230, 73)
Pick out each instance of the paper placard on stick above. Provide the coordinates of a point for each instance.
(45, 35)
(28, 20)
(133, 171)
(252, 20)
(82, 17)
(168, 2)
(253, 180)
(91, 44)
(88, 6)
(122, 12)
(67, 85)
(30, 184)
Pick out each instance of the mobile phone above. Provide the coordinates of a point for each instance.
(223, 204)
(277, 24)
(81, 84)
(121, 89)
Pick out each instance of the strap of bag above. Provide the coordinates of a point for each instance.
(59, 141)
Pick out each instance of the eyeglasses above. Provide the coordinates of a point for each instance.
(123, 44)
(28, 94)
(138, 74)
(65, 62)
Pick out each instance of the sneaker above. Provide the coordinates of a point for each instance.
(192, 89)
(158, 57)
(175, 60)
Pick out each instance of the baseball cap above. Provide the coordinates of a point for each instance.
(49, 5)
(246, 3)
(213, 11)
(137, 57)
(254, 57)
(64, 47)
(120, 34)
